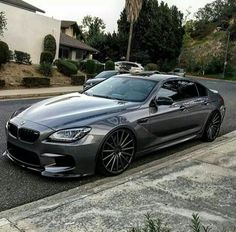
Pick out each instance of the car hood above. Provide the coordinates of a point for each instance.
(63, 111)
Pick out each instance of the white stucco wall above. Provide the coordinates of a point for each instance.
(26, 31)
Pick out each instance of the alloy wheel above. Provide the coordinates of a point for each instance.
(118, 152)
(213, 127)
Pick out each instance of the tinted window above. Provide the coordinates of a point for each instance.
(123, 88)
(201, 90)
(178, 90)
(187, 89)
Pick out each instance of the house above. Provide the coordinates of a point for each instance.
(70, 46)
(26, 28)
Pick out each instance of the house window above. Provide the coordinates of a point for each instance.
(79, 54)
(64, 53)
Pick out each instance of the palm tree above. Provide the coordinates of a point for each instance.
(133, 8)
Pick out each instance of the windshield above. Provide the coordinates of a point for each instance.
(123, 88)
(106, 74)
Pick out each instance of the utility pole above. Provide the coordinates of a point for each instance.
(226, 54)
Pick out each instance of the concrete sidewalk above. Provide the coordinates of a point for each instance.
(39, 92)
(203, 182)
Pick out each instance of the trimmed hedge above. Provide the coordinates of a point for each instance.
(50, 45)
(99, 68)
(76, 63)
(4, 53)
(90, 67)
(46, 69)
(151, 67)
(35, 82)
(109, 65)
(46, 57)
(77, 80)
(2, 83)
(22, 57)
(67, 68)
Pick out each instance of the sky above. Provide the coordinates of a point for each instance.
(108, 10)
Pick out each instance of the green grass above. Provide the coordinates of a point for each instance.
(156, 225)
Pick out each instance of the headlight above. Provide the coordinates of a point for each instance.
(69, 135)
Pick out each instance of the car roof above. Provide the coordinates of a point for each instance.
(154, 77)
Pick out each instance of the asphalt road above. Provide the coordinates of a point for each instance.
(19, 186)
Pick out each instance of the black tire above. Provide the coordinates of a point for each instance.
(117, 153)
(212, 127)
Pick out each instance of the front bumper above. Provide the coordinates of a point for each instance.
(53, 159)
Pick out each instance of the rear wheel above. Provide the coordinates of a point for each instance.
(117, 152)
(212, 127)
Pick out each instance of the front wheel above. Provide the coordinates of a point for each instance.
(212, 127)
(117, 152)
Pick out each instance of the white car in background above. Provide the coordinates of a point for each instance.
(128, 66)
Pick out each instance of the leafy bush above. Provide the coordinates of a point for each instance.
(22, 57)
(77, 79)
(46, 69)
(90, 76)
(4, 53)
(10, 55)
(90, 67)
(67, 68)
(76, 63)
(109, 65)
(46, 57)
(151, 67)
(99, 68)
(2, 83)
(35, 82)
(215, 65)
(50, 45)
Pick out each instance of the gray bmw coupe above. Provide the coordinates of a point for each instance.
(109, 125)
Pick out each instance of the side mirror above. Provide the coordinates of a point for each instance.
(167, 101)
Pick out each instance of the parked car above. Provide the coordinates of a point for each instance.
(128, 66)
(99, 78)
(110, 124)
(179, 72)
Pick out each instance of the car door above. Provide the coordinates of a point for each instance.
(178, 120)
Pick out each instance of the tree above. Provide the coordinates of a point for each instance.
(92, 27)
(157, 34)
(3, 23)
(133, 8)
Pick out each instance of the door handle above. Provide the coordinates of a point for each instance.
(143, 120)
(183, 108)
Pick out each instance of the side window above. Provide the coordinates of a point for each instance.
(187, 89)
(201, 90)
(178, 90)
(169, 89)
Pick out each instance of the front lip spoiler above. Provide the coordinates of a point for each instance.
(47, 171)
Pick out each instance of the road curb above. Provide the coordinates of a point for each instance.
(53, 202)
(38, 92)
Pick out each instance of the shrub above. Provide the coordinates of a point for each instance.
(66, 67)
(109, 65)
(151, 67)
(36, 82)
(99, 68)
(4, 53)
(90, 67)
(10, 55)
(76, 63)
(46, 57)
(22, 57)
(77, 79)
(46, 69)
(50, 45)
(90, 76)
(2, 83)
